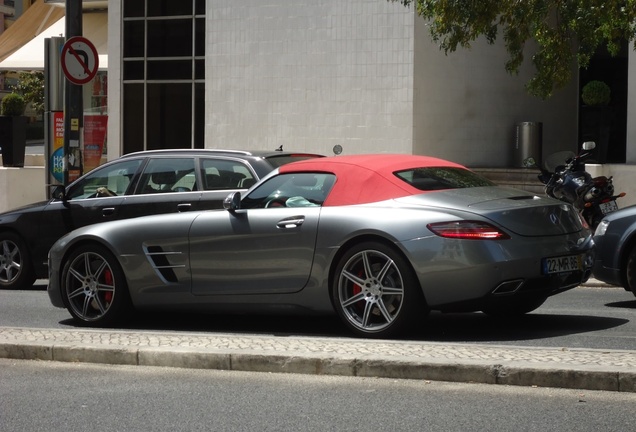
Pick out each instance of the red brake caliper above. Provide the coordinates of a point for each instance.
(108, 279)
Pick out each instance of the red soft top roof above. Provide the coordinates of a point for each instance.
(362, 179)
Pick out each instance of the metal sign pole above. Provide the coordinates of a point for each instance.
(73, 103)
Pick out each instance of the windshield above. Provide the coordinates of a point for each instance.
(439, 178)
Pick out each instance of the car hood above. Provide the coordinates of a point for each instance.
(519, 211)
(26, 208)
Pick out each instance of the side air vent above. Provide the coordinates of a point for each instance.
(160, 261)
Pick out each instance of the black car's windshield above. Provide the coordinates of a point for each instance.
(439, 178)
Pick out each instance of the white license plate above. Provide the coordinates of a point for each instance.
(562, 264)
(608, 207)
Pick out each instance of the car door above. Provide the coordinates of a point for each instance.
(260, 249)
(95, 197)
(220, 176)
(166, 185)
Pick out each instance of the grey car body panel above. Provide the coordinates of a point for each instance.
(298, 275)
(612, 247)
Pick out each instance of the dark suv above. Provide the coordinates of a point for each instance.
(137, 184)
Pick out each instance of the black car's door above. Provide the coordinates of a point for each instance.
(96, 197)
(166, 185)
(220, 176)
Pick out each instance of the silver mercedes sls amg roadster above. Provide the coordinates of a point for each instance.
(378, 239)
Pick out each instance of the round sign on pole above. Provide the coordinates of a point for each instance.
(79, 60)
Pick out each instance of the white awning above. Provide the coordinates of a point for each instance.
(31, 55)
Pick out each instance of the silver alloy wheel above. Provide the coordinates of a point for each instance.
(90, 286)
(371, 291)
(10, 261)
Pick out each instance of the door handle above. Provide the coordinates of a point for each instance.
(108, 211)
(292, 222)
(183, 207)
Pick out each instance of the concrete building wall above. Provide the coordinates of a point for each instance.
(309, 75)
(365, 74)
(115, 111)
(466, 105)
(631, 110)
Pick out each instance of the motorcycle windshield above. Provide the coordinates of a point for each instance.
(551, 162)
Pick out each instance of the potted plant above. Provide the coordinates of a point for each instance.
(12, 130)
(596, 117)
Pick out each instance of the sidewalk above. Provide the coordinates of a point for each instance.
(610, 370)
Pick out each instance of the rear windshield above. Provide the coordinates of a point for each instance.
(278, 161)
(438, 178)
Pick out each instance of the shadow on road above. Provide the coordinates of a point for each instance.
(467, 327)
(622, 304)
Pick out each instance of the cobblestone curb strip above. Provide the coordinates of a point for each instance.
(609, 370)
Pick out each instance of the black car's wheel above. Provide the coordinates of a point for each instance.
(94, 288)
(631, 271)
(375, 291)
(514, 308)
(16, 270)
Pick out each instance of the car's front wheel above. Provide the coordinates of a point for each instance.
(16, 271)
(94, 288)
(375, 291)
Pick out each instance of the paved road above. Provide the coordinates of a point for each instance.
(80, 397)
(513, 364)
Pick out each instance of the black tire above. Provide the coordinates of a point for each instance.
(515, 308)
(375, 291)
(630, 272)
(94, 288)
(16, 269)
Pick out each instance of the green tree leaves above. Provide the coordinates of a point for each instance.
(31, 86)
(565, 32)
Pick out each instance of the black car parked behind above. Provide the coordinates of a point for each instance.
(137, 184)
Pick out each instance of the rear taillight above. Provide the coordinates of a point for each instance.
(468, 230)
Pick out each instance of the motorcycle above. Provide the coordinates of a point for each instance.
(569, 182)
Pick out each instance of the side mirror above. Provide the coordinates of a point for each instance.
(59, 193)
(232, 202)
(589, 145)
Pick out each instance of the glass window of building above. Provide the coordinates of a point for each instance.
(163, 74)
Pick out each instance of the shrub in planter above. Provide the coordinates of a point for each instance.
(12, 130)
(12, 105)
(596, 93)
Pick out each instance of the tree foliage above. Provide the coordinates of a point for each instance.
(31, 86)
(566, 32)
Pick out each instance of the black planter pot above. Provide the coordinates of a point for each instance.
(13, 140)
(596, 125)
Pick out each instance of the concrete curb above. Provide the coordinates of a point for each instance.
(486, 364)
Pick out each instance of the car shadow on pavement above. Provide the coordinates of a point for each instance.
(479, 327)
(622, 304)
(451, 327)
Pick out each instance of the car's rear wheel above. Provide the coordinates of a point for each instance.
(375, 291)
(16, 270)
(631, 271)
(94, 288)
(515, 307)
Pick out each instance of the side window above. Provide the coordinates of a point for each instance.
(163, 175)
(219, 174)
(291, 190)
(110, 180)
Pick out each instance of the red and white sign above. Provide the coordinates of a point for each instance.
(79, 60)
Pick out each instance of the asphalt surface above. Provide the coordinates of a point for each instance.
(609, 370)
